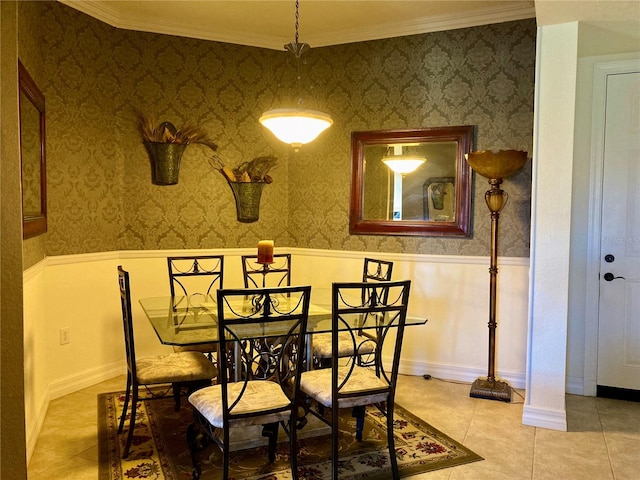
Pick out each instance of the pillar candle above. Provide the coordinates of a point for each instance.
(265, 251)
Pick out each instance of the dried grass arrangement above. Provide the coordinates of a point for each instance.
(166, 132)
(256, 170)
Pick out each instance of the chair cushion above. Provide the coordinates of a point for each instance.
(317, 384)
(260, 395)
(175, 367)
(322, 345)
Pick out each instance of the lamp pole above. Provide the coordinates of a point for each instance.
(495, 199)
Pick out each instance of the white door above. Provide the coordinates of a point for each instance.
(619, 305)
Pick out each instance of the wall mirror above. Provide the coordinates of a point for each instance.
(411, 182)
(32, 156)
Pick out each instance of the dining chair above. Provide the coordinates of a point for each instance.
(374, 270)
(192, 277)
(179, 369)
(348, 385)
(255, 274)
(267, 392)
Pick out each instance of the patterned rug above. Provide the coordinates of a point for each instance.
(159, 448)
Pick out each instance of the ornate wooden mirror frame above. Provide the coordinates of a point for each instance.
(433, 200)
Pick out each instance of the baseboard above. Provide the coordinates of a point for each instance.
(33, 430)
(85, 379)
(575, 386)
(545, 418)
(64, 387)
(459, 374)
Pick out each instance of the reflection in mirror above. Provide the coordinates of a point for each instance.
(32, 156)
(411, 182)
(30, 150)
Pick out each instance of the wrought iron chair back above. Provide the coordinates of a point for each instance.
(280, 313)
(190, 275)
(255, 274)
(385, 305)
(374, 270)
(377, 270)
(191, 279)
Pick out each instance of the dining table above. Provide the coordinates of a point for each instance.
(192, 320)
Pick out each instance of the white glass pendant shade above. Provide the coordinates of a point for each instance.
(296, 126)
(403, 163)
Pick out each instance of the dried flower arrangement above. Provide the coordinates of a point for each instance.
(256, 170)
(165, 132)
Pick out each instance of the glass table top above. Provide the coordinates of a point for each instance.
(192, 320)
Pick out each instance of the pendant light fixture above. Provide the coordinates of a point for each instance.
(296, 125)
(401, 162)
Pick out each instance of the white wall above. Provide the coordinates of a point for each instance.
(80, 292)
(556, 66)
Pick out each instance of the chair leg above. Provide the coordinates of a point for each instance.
(132, 421)
(335, 432)
(391, 442)
(293, 448)
(358, 412)
(301, 418)
(176, 395)
(193, 442)
(270, 431)
(226, 448)
(126, 403)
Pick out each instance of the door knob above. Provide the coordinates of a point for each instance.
(610, 276)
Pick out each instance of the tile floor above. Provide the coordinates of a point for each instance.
(603, 441)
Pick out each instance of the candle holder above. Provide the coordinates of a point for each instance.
(255, 273)
(265, 258)
(494, 166)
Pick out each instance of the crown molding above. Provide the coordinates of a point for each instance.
(420, 25)
(108, 13)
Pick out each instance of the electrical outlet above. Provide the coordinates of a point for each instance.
(65, 336)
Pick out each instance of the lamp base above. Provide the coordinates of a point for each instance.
(491, 390)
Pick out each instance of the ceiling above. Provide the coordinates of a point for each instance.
(271, 23)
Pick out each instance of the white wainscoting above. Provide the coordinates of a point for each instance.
(80, 292)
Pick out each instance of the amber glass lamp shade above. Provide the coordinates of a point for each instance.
(496, 164)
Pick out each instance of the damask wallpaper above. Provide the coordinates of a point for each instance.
(99, 182)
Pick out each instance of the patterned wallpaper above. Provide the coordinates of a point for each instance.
(99, 180)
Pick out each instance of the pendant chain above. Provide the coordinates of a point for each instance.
(297, 19)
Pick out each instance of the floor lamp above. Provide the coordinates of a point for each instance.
(495, 166)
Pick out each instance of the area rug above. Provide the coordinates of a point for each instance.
(159, 448)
